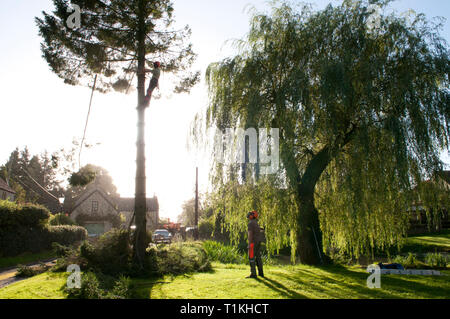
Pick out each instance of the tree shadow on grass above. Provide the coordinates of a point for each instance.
(281, 289)
(332, 287)
(391, 286)
(401, 284)
(142, 287)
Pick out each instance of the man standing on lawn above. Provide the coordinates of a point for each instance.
(254, 245)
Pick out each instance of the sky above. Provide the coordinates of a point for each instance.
(39, 111)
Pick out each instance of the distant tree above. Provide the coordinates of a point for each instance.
(187, 216)
(33, 177)
(363, 112)
(102, 179)
(112, 43)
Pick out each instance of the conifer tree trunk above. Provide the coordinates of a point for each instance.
(140, 192)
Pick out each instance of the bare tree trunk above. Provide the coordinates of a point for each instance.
(140, 208)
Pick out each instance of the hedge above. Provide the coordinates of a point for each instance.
(23, 228)
(13, 215)
(66, 234)
(114, 219)
(61, 219)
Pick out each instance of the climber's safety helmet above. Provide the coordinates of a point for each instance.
(252, 215)
(156, 64)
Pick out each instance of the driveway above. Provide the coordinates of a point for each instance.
(8, 276)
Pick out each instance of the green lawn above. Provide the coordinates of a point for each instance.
(428, 243)
(227, 281)
(25, 258)
(44, 286)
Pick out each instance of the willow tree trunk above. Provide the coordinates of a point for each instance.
(310, 247)
(140, 235)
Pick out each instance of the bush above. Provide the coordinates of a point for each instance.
(35, 240)
(99, 286)
(67, 235)
(217, 251)
(13, 216)
(111, 254)
(436, 260)
(179, 258)
(61, 250)
(205, 228)
(23, 228)
(409, 261)
(61, 219)
(28, 271)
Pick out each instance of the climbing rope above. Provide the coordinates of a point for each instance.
(86, 124)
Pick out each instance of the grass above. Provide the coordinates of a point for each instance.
(44, 286)
(291, 282)
(439, 242)
(281, 282)
(25, 258)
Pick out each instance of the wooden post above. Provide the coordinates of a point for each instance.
(196, 205)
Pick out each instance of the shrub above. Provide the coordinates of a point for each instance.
(61, 219)
(100, 286)
(23, 228)
(179, 258)
(436, 260)
(28, 271)
(61, 250)
(67, 235)
(13, 216)
(111, 254)
(217, 251)
(409, 261)
(205, 228)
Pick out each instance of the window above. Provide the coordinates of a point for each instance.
(4, 195)
(94, 206)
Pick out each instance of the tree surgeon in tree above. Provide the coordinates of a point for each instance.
(111, 44)
(154, 82)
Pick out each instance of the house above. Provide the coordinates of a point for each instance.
(6, 192)
(96, 212)
(126, 207)
(99, 212)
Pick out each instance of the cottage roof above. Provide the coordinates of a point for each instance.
(102, 194)
(122, 204)
(126, 204)
(4, 186)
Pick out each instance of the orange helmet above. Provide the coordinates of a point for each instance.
(252, 215)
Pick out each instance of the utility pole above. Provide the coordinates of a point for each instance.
(196, 205)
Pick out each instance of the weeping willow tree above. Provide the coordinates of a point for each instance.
(362, 110)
